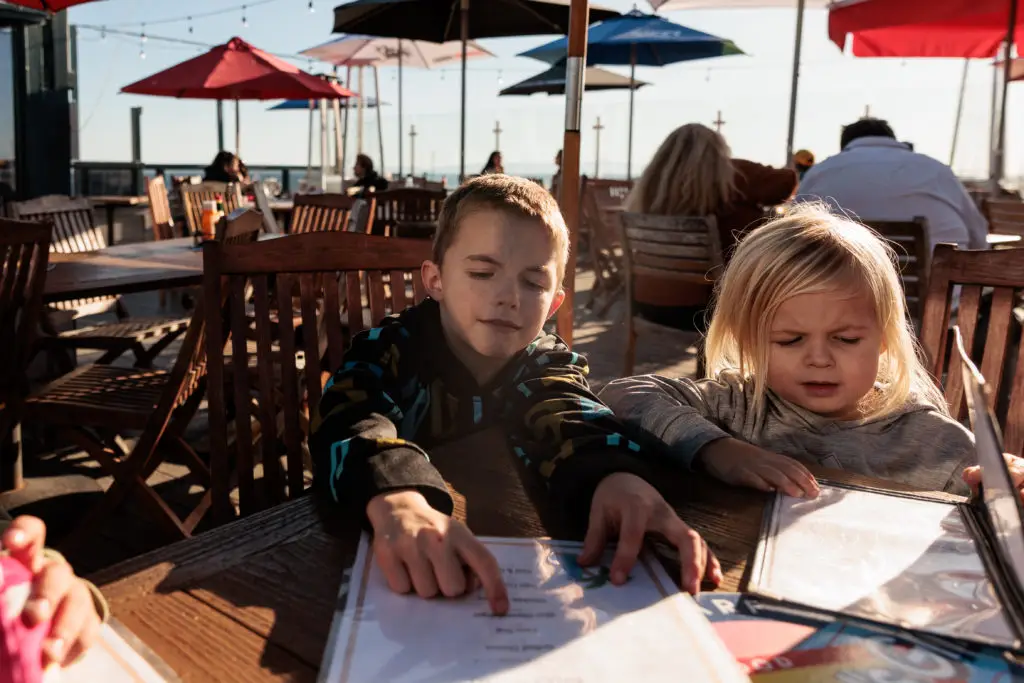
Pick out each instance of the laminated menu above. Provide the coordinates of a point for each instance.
(566, 624)
(938, 570)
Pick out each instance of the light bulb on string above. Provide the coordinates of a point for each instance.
(142, 53)
(500, 79)
(103, 33)
(245, 22)
(143, 37)
(707, 76)
(190, 28)
(312, 9)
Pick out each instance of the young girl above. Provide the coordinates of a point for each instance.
(809, 354)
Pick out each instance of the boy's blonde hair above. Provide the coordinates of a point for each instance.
(516, 197)
(808, 251)
(691, 174)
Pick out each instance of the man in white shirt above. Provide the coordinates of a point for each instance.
(875, 177)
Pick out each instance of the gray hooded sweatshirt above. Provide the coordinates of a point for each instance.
(916, 445)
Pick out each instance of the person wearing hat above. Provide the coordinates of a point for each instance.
(802, 161)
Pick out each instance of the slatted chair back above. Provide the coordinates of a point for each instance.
(259, 193)
(667, 259)
(600, 238)
(422, 183)
(74, 230)
(160, 209)
(990, 328)
(910, 241)
(328, 213)
(193, 196)
(346, 283)
(24, 248)
(405, 205)
(1005, 216)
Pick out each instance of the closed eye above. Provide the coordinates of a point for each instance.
(540, 287)
(480, 275)
(849, 340)
(788, 342)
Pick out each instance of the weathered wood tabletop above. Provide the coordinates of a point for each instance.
(253, 600)
(124, 269)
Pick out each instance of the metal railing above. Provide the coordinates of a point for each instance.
(91, 178)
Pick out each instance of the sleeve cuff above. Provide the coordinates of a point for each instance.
(576, 479)
(396, 469)
(683, 445)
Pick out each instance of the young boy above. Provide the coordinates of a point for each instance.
(471, 356)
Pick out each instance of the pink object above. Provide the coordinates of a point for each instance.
(21, 657)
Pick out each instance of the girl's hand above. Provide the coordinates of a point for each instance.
(972, 475)
(743, 464)
(57, 594)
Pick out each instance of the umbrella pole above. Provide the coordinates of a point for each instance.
(336, 106)
(220, 125)
(797, 50)
(575, 75)
(632, 91)
(238, 130)
(323, 145)
(344, 136)
(464, 31)
(997, 171)
(309, 161)
(959, 112)
(400, 128)
(359, 112)
(380, 128)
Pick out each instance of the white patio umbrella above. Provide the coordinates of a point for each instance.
(800, 5)
(351, 50)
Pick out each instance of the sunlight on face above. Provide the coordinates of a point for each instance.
(824, 352)
(497, 286)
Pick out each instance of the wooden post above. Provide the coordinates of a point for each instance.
(719, 122)
(575, 74)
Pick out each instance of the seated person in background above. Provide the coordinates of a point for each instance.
(493, 165)
(243, 172)
(367, 179)
(76, 608)
(223, 169)
(474, 356)
(693, 174)
(811, 359)
(803, 161)
(875, 177)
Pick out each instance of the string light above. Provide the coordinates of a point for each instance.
(245, 22)
(311, 8)
(143, 36)
(190, 25)
(103, 34)
(500, 79)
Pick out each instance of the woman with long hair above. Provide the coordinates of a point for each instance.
(494, 164)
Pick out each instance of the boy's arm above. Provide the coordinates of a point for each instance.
(561, 430)
(682, 414)
(355, 444)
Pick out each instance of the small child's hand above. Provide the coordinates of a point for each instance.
(57, 594)
(626, 505)
(743, 464)
(972, 475)
(421, 549)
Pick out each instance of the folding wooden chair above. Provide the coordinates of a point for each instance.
(160, 209)
(1005, 216)
(193, 196)
(409, 206)
(24, 249)
(93, 405)
(330, 213)
(288, 376)
(74, 232)
(910, 241)
(601, 203)
(667, 258)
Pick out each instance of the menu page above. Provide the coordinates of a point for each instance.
(113, 659)
(566, 624)
(888, 558)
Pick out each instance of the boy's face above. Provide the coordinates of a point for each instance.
(498, 285)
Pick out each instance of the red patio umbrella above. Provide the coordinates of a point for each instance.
(237, 71)
(48, 5)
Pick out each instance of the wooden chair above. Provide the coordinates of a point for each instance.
(601, 202)
(270, 225)
(421, 182)
(910, 240)
(193, 196)
(991, 284)
(75, 232)
(335, 302)
(24, 248)
(666, 258)
(160, 209)
(330, 213)
(1005, 216)
(93, 405)
(406, 206)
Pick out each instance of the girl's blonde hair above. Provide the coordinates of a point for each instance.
(690, 174)
(809, 251)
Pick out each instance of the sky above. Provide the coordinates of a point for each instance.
(917, 96)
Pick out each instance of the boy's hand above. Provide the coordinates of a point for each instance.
(57, 594)
(421, 549)
(972, 475)
(742, 464)
(626, 504)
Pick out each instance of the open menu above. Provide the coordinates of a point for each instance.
(116, 657)
(566, 624)
(952, 571)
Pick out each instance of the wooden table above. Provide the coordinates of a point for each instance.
(114, 202)
(996, 239)
(253, 601)
(124, 269)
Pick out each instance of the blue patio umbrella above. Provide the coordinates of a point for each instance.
(351, 103)
(639, 39)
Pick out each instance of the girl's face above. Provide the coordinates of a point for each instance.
(824, 352)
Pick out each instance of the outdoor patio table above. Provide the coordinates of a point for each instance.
(114, 202)
(253, 600)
